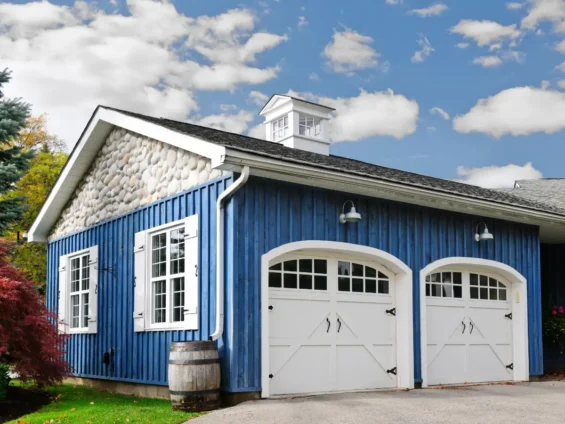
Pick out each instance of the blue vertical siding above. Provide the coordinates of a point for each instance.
(139, 357)
(269, 214)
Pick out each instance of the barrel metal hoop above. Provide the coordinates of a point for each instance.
(194, 361)
(193, 392)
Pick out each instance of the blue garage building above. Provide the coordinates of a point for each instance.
(314, 273)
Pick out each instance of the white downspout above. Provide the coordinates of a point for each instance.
(220, 251)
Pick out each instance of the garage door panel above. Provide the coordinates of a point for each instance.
(445, 363)
(445, 323)
(361, 367)
(292, 319)
(365, 321)
(488, 363)
(307, 371)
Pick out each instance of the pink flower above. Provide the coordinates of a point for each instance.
(561, 309)
(554, 312)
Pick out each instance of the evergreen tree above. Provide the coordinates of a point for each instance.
(13, 161)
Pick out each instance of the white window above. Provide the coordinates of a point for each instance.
(166, 277)
(280, 128)
(78, 291)
(309, 126)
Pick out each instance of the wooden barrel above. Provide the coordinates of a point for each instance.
(194, 376)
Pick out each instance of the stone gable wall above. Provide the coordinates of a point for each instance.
(130, 171)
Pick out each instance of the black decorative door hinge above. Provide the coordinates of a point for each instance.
(509, 316)
(270, 307)
(511, 366)
(391, 371)
(270, 375)
(391, 311)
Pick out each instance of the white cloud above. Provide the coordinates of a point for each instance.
(498, 176)
(258, 131)
(433, 10)
(545, 85)
(235, 123)
(515, 111)
(350, 51)
(431, 129)
(440, 112)
(227, 107)
(494, 47)
(561, 83)
(487, 61)
(545, 11)
(485, 32)
(426, 50)
(68, 59)
(560, 47)
(380, 113)
(260, 99)
(462, 45)
(561, 67)
(314, 76)
(394, 2)
(513, 55)
(514, 5)
(302, 22)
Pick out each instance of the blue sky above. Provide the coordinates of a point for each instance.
(523, 37)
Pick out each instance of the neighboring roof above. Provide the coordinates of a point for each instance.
(294, 98)
(347, 166)
(549, 191)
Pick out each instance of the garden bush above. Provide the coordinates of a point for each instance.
(4, 380)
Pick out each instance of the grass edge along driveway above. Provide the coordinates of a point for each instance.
(85, 405)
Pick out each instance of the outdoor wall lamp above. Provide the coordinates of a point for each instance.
(485, 235)
(351, 216)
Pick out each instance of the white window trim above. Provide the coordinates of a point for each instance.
(144, 312)
(311, 129)
(65, 315)
(284, 128)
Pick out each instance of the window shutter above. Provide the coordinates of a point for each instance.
(192, 273)
(63, 293)
(140, 281)
(93, 291)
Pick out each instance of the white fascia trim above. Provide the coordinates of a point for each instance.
(100, 125)
(318, 177)
(519, 310)
(403, 302)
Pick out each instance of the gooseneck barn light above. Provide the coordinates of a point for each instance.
(485, 235)
(351, 216)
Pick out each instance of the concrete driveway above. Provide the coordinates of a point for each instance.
(541, 403)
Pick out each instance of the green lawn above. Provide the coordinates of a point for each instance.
(80, 404)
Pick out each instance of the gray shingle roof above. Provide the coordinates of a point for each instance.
(549, 191)
(345, 165)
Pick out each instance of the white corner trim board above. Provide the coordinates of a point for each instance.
(518, 302)
(240, 182)
(403, 285)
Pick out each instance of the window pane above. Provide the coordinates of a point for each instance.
(290, 266)
(492, 282)
(75, 274)
(436, 278)
(493, 294)
(85, 272)
(370, 272)
(320, 266)
(357, 285)
(436, 290)
(474, 279)
(502, 294)
(483, 293)
(320, 282)
(446, 277)
(371, 286)
(178, 299)
(383, 287)
(177, 251)
(277, 267)
(483, 280)
(457, 278)
(75, 311)
(275, 279)
(428, 290)
(357, 270)
(343, 284)
(343, 268)
(159, 301)
(458, 292)
(290, 281)
(381, 275)
(159, 255)
(306, 282)
(447, 291)
(305, 265)
(85, 310)
(474, 293)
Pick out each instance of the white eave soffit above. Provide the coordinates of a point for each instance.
(102, 122)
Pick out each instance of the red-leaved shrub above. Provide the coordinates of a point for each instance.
(29, 339)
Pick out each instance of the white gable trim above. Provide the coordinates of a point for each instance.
(92, 139)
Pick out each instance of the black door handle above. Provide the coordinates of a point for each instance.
(472, 327)
(339, 322)
(464, 327)
(329, 324)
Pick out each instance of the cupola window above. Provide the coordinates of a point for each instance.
(309, 126)
(280, 128)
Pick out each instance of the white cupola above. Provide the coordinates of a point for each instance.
(297, 123)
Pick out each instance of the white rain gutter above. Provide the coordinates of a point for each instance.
(220, 251)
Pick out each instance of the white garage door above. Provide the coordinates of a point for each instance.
(329, 328)
(469, 328)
